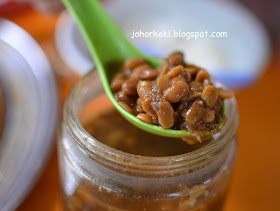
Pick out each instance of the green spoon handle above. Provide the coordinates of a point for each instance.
(105, 40)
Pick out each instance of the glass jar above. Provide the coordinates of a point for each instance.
(97, 177)
(2, 111)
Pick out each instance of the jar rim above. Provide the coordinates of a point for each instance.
(104, 152)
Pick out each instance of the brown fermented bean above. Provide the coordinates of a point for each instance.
(144, 89)
(120, 96)
(191, 70)
(119, 76)
(194, 95)
(218, 106)
(116, 83)
(196, 86)
(225, 94)
(195, 113)
(147, 107)
(139, 101)
(189, 139)
(187, 76)
(176, 92)
(200, 136)
(176, 59)
(210, 95)
(129, 87)
(145, 118)
(134, 62)
(163, 82)
(163, 69)
(126, 107)
(177, 79)
(144, 71)
(175, 71)
(209, 116)
(202, 75)
(207, 82)
(165, 115)
(139, 108)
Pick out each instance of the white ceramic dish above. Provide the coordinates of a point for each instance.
(237, 60)
(31, 113)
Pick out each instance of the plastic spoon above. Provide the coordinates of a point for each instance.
(107, 45)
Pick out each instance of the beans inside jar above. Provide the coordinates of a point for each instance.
(177, 95)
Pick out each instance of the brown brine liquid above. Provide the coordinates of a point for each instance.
(110, 128)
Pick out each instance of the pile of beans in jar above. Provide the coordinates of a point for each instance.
(176, 95)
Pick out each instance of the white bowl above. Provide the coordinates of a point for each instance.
(237, 60)
(30, 97)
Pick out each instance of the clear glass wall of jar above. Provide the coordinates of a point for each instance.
(95, 176)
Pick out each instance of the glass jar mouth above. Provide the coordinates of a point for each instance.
(98, 150)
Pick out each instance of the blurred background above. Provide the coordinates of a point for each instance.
(42, 54)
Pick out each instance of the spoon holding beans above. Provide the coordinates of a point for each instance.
(109, 46)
